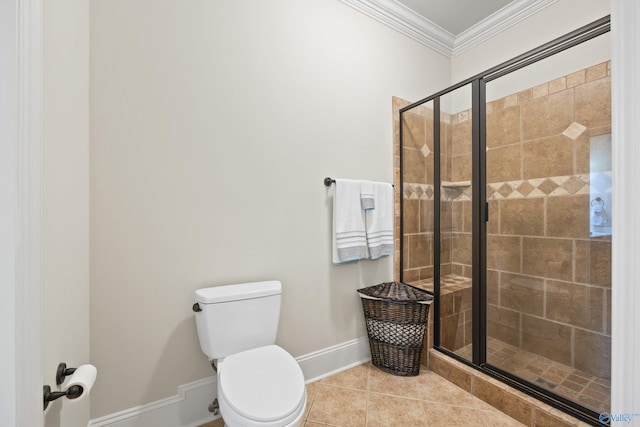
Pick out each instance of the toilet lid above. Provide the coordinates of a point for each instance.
(263, 384)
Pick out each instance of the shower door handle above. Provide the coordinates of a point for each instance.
(486, 212)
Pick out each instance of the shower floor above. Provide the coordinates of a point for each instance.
(588, 390)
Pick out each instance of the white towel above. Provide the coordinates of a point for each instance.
(366, 195)
(349, 233)
(379, 221)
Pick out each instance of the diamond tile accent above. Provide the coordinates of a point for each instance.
(560, 191)
(573, 185)
(525, 188)
(574, 130)
(413, 191)
(522, 189)
(429, 193)
(505, 190)
(547, 186)
(425, 150)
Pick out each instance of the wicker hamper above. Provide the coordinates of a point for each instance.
(396, 315)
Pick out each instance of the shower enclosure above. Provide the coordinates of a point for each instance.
(505, 215)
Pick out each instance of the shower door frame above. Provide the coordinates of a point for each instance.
(480, 210)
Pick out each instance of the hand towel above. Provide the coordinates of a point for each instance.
(349, 233)
(599, 215)
(366, 195)
(379, 221)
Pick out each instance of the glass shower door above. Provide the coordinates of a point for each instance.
(455, 201)
(548, 249)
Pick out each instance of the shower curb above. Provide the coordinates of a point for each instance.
(518, 405)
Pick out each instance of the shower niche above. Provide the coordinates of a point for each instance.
(504, 214)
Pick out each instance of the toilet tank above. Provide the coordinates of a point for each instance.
(238, 317)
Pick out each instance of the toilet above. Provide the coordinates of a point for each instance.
(259, 383)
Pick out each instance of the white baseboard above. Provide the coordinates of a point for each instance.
(189, 408)
(331, 360)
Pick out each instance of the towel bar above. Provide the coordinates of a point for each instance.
(328, 181)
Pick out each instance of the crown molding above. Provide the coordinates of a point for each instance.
(497, 22)
(407, 22)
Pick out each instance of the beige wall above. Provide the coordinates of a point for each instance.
(213, 124)
(66, 198)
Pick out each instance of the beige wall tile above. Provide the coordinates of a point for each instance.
(607, 317)
(575, 79)
(557, 85)
(547, 157)
(415, 166)
(461, 167)
(546, 257)
(596, 72)
(582, 146)
(540, 90)
(494, 217)
(503, 253)
(503, 164)
(547, 116)
(446, 217)
(493, 286)
(445, 248)
(410, 275)
(593, 353)
(461, 138)
(593, 262)
(525, 96)
(457, 217)
(522, 293)
(426, 216)
(522, 217)
(411, 221)
(546, 338)
(446, 304)
(568, 216)
(461, 248)
(593, 103)
(504, 325)
(503, 127)
(420, 250)
(467, 217)
(414, 130)
(452, 332)
(575, 304)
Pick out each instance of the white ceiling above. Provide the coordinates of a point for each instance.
(449, 26)
(455, 16)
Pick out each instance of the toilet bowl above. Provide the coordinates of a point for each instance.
(259, 383)
(262, 387)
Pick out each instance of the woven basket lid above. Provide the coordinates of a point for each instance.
(396, 291)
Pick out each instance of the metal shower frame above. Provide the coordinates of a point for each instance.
(480, 209)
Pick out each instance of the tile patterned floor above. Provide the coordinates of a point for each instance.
(366, 396)
(574, 384)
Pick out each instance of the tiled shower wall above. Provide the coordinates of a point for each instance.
(549, 282)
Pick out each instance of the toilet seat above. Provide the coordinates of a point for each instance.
(264, 384)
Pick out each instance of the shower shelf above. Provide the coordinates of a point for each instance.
(456, 184)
